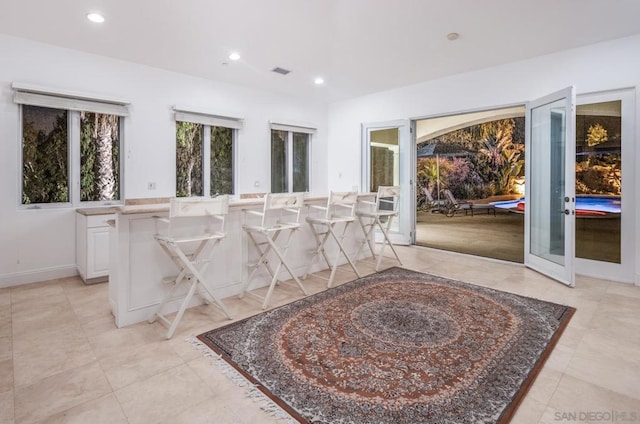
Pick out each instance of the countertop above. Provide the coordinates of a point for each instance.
(161, 205)
(101, 210)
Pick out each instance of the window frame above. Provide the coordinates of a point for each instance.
(210, 120)
(290, 129)
(74, 165)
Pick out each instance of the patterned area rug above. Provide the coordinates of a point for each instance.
(396, 347)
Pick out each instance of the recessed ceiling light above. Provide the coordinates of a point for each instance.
(453, 36)
(234, 56)
(95, 17)
(319, 81)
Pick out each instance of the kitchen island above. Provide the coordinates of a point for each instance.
(138, 265)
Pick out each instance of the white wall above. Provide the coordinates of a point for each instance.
(40, 244)
(600, 67)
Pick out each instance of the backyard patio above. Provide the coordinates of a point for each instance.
(502, 236)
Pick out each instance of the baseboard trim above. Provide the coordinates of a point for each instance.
(36, 276)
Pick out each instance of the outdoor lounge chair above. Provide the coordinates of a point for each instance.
(431, 203)
(454, 205)
(475, 207)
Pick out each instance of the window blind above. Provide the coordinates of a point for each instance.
(50, 98)
(299, 128)
(208, 119)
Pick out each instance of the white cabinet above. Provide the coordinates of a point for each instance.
(92, 247)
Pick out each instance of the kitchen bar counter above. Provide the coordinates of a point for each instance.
(138, 265)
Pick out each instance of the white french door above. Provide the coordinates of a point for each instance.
(605, 246)
(550, 186)
(388, 159)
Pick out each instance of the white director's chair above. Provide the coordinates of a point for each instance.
(371, 214)
(281, 212)
(190, 249)
(340, 209)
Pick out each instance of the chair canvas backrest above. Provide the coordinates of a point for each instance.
(428, 195)
(252, 195)
(342, 204)
(450, 198)
(184, 210)
(191, 207)
(283, 203)
(387, 198)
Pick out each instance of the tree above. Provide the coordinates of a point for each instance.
(596, 134)
(99, 142)
(221, 160)
(44, 156)
(500, 156)
(105, 128)
(188, 159)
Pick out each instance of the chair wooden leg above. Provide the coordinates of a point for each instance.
(183, 307)
(366, 229)
(339, 240)
(282, 257)
(189, 272)
(281, 253)
(262, 260)
(385, 241)
(320, 250)
(197, 275)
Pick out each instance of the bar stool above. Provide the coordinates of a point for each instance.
(281, 212)
(384, 208)
(184, 214)
(340, 209)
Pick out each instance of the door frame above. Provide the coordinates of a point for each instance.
(406, 163)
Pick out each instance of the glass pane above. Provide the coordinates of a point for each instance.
(384, 153)
(99, 156)
(188, 159)
(45, 176)
(599, 181)
(279, 183)
(480, 163)
(221, 160)
(300, 162)
(548, 129)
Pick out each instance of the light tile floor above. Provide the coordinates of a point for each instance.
(62, 360)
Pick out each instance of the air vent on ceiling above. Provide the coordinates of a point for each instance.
(280, 71)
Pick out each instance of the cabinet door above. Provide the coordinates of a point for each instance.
(97, 252)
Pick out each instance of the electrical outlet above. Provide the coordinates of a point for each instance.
(151, 186)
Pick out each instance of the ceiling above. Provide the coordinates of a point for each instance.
(357, 46)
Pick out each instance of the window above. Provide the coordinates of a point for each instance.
(45, 155)
(221, 160)
(99, 157)
(70, 148)
(189, 159)
(290, 158)
(204, 153)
